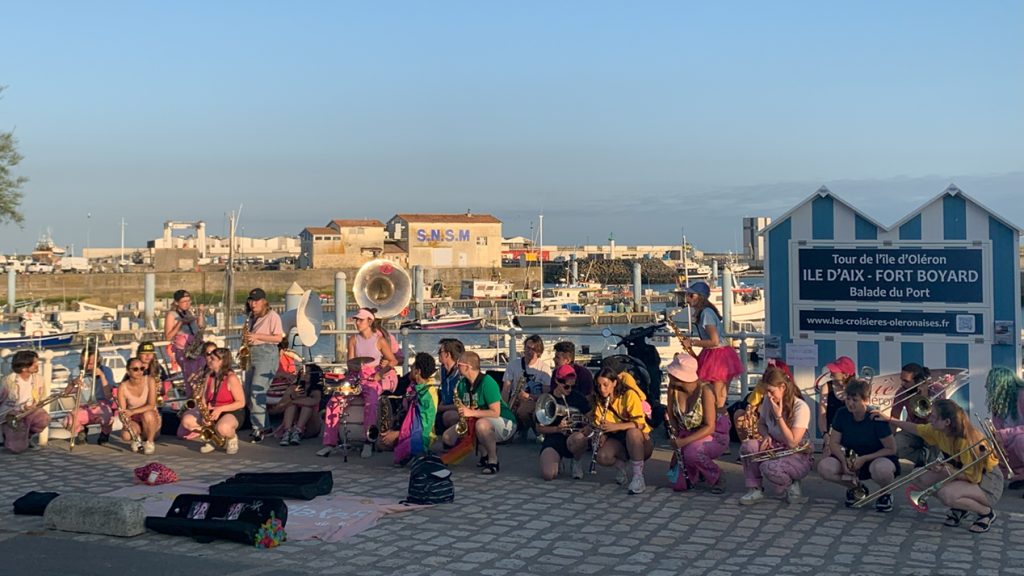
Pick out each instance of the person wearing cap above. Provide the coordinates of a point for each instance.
(718, 362)
(264, 332)
(97, 403)
(701, 434)
(154, 369)
(182, 328)
(559, 442)
(841, 370)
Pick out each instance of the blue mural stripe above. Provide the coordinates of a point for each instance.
(823, 218)
(954, 218)
(911, 229)
(778, 280)
(911, 352)
(957, 356)
(863, 229)
(1005, 301)
(826, 353)
(867, 355)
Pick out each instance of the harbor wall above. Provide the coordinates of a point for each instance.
(110, 289)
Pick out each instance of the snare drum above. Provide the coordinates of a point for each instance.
(339, 384)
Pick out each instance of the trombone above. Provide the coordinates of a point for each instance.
(918, 499)
(775, 453)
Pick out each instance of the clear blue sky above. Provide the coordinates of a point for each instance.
(634, 117)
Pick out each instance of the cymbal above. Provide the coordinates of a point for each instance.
(360, 360)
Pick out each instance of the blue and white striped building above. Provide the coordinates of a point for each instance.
(951, 222)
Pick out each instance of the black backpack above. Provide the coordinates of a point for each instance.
(430, 482)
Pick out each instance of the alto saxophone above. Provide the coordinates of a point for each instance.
(463, 425)
(513, 399)
(244, 355)
(207, 431)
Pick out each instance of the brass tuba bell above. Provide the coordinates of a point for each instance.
(383, 285)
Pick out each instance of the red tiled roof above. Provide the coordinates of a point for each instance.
(453, 218)
(320, 230)
(357, 223)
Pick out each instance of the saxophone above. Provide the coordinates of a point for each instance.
(513, 398)
(207, 431)
(463, 425)
(596, 436)
(243, 350)
(674, 433)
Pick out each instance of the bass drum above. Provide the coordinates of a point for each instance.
(624, 363)
(352, 421)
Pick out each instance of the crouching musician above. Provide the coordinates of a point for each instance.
(136, 405)
(700, 435)
(782, 459)
(977, 482)
(623, 432)
(22, 398)
(1005, 396)
(480, 403)
(97, 404)
(219, 405)
(869, 445)
(555, 415)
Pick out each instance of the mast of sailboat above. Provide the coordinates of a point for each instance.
(122, 241)
(540, 240)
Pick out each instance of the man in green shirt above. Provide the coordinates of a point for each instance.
(481, 396)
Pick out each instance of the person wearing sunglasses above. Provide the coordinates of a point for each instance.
(225, 402)
(136, 400)
(559, 442)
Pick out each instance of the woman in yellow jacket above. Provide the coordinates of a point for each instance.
(619, 418)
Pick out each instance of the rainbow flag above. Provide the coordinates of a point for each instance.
(417, 433)
(465, 447)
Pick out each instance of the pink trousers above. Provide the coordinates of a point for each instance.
(101, 413)
(1013, 443)
(699, 457)
(16, 439)
(780, 472)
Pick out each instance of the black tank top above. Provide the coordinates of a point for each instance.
(832, 405)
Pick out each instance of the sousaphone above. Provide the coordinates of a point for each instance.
(306, 319)
(383, 285)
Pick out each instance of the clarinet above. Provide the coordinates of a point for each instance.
(595, 440)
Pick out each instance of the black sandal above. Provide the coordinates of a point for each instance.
(954, 517)
(490, 468)
(481, 462)
(983, 523)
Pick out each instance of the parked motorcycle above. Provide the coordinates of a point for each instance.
(643, 361)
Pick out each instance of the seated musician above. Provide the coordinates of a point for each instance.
(147, 353)
(868, 445)
(482, 401)
(20, 392)
(701, 434)
(1005, 394)
(624, 434)
(784, 418)
(300, 405)
(97, 398)
(225, 403)
(524, 381)
(832, 393)
(136, 405)
(976, 488)
(412, 431)
(448, 353)
(559, 441)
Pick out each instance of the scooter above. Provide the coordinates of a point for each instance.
(643, 361)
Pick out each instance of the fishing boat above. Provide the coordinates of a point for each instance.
(36, 332)
(446, 321)
(553, 310)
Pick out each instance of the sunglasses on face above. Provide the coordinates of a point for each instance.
(136, 369)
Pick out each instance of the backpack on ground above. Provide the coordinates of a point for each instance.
(430, 482)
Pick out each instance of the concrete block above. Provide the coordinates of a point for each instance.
(95, 515)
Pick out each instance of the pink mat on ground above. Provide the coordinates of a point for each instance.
(329, 518)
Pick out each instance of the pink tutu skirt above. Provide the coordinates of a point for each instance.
(720, 364)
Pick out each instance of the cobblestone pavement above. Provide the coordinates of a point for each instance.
(512, 523)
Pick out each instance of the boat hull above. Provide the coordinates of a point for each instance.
(47, 341)
(554, 320)
(461, 324)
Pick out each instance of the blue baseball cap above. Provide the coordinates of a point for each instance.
(699, 287)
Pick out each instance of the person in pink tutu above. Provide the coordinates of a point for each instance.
(699, 435)
(718, 362)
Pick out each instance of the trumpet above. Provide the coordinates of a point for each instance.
(126, 423)
(858, 489)
(775, 453)
(918, 499)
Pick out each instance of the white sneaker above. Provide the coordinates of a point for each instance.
(286, 439)
(231, 446)
(325, 451)
(794, 495)
(577, 469)
(753, 496)
(134, 446)
(367, 450)
(206, 448)
(637, 486)
(623, 476)
(296, 437)
(148, 447)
